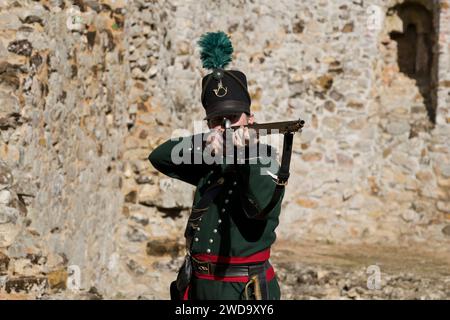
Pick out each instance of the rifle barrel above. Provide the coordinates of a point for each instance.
(275, 127)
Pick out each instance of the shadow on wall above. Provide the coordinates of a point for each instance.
(417, 47)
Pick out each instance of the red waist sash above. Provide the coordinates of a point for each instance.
(260, 256)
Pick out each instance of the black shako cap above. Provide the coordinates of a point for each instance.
(225, 92)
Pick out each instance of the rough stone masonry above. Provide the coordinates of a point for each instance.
(89, 88)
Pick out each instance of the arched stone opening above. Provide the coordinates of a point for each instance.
(417, 48)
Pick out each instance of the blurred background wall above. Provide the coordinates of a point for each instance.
(89, 88)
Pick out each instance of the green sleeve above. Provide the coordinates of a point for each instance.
(178, 159)
(256, 187)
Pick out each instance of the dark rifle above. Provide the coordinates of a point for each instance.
(281, 127)
(287, 128)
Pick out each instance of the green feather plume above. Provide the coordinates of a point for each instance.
(216, 50)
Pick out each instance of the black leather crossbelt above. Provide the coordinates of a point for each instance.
(225, 270)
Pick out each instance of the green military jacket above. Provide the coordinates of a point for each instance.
(228, 227)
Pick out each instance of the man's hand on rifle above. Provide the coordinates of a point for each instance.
(241, 137)
(215, 141)
(244, 137)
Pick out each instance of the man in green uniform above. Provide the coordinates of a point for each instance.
(235, 212)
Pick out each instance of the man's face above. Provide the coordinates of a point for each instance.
(235, 119)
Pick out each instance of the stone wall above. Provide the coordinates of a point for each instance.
(63, 111)
(89, 88)
(371, 165)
